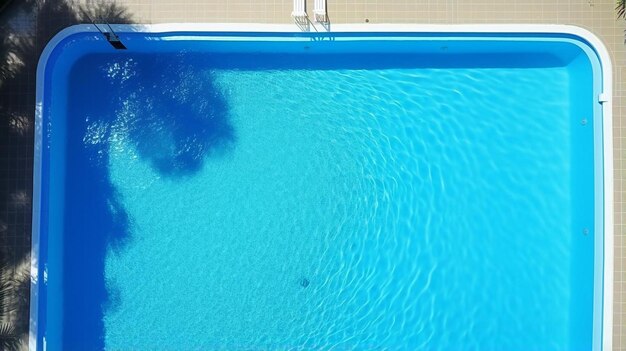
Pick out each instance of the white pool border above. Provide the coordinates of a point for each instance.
(606, 99)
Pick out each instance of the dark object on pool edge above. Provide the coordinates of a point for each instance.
(115, 41)
(108, 34)
(304, 282)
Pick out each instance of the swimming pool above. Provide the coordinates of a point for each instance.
(379, 187)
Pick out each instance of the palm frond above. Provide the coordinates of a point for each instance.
(21, 287)
(5, 294)
(6, 289)
(9, 340)
(620, 7)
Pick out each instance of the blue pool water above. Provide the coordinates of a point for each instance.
(207, 199)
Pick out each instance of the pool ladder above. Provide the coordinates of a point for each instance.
(109, 34)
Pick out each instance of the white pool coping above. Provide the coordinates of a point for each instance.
(605, 98)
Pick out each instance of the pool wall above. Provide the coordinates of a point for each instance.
(603, 169)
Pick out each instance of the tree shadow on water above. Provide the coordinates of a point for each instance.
(170, 110)
(166, 108)
(163, 108)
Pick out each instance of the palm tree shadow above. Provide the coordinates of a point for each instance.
(162, 107)
(171, 128)
(171, 110)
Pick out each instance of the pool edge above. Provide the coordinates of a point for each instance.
(605, 99)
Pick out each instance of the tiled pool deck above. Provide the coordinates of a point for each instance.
(27, 24)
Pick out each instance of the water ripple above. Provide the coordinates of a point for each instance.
(413, 201)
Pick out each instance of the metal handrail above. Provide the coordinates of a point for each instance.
(110, 35)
